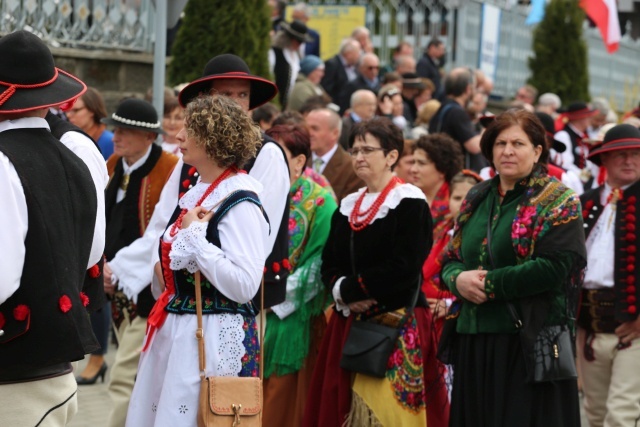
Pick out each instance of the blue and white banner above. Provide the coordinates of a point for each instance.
(489, 40)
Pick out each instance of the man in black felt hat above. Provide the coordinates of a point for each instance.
(608, 341)
(138, 171)
(574, 136)
(49, 208)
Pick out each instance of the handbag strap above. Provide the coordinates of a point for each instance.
(200, 331)
(512, 310)
(414, 300)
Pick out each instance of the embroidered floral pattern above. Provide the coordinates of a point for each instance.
(183, 409)
(405, 368)
(251, 359)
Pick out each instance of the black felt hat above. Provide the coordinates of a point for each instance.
(137, 114)
(297, 29)
(229, 66)
(29, 79)
(620, 137)
(578, 110)
(550, 129)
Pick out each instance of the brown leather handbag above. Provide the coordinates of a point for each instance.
(227, 401)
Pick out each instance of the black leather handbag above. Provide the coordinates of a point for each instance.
(370, 342)
(368, 348)
(553, 355)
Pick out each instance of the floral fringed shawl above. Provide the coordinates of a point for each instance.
(287, 338)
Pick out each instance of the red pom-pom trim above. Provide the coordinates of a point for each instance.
(631, 200)
(285, 264)
(630, 237)
(84, 298)
(21, 312)
(192, 171)
(264, 270)
(631, 299)
(630, 268)
(631, 259)
(589, 204)
(632, 309)
(631, 209)
(631, 289)
(276, 267)
(631, 249)
(585, 214)
(630, 217)
(631, 226)
(186, 183)
(94, 272)
(1, 320)
(65, 303)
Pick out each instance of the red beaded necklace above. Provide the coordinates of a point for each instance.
(224, 175)
(360, 219)
(500, 192)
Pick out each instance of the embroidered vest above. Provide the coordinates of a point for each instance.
(45, 321)
(627, 262)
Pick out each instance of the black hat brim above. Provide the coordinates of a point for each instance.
(262, 90)
(623, 144)
(64, 89)
(115, 123)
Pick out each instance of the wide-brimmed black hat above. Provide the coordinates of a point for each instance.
(29, 79)
(228, 66)
(620, 137)
(137, 114)
(578, 110)
(297, 29)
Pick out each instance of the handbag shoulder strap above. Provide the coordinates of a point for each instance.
(414, 299)
(512, 310)
(202, 363)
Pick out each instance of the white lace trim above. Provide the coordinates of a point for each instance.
(188, 243)
(230, 344)
(241, 181)
(395, 196)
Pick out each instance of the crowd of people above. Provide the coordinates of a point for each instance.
(332, 199)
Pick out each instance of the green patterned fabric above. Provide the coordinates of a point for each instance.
(287, 340)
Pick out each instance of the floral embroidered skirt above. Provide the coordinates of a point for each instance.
(168, 381)
(413, 392)
(489, 387)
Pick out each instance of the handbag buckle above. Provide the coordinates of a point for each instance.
(555, 351)
(236, 413)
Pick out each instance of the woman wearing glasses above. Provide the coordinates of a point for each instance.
(371, 265)
(86, 113)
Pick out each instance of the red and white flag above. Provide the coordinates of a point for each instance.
(605, 15)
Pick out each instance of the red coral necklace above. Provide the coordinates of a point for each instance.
(360, 219)
(224, 175)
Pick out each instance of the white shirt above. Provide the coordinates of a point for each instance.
(293, 59)
(14, 212)
(566, 159)
(326, 157)
(129, 169)
(133, 265)
(601, 246)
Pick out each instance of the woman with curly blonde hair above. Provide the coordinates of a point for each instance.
(219, 229)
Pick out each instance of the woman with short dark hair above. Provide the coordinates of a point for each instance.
(371, 266)
(436, 159)
(515, 263)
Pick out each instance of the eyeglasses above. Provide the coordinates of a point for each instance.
(366, 151)
(75, 110)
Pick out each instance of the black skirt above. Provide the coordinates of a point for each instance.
(489, 387)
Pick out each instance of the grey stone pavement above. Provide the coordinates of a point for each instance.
(94, 403)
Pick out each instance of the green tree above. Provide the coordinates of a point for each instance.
(559, 64)
(214, 27)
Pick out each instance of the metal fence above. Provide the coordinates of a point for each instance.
(129, 25)
(105, 24)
